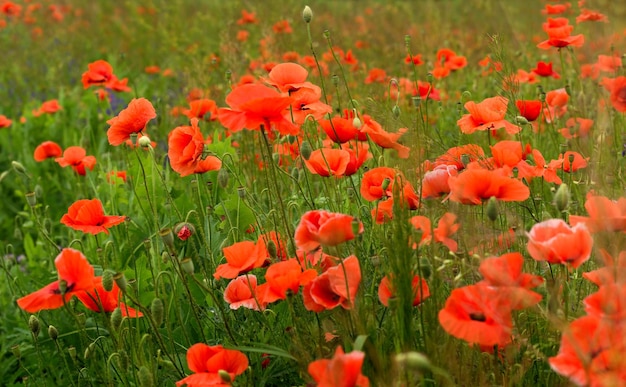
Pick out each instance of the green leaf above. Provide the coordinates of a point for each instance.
(264, 348)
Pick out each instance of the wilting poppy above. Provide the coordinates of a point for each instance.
(338, 285)
(207, 361)
(386, 290)
(604, 214)
(99, 300)
(555, 241)
(133, 119)
(475, 185)
(486, 115)
(186, 149)
(319, 227)
(344, 370)
(478, 314)
(76, 157)
(242, 291)
(88, 216)
(559, 34)
(46, 150)
(241, 257)
(75, 275)
(505, 273)
(253, 106)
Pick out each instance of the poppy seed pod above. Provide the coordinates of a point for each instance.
(225, 376)
(167, 237)
(31, 199)
(187, 265)
(16, 351)
(72, 352)
(307, 14)
(121, 282)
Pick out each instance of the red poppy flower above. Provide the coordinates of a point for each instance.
(507, 153)
(573, 161)
(247, 18)
(529, 109)
(336, 286)
(460, 156)
(186, 149)
(4, 122)
(76, 157)
(608, 302)
(253, 106)
(115, 176)
(423, 225)
(243, 291)
(475, 185)
(386, 290)
(446, 227)
(75, 274)
(306, 104)
(324, 228)
(288, 77)
(576, 127)
(47, 107)
(206, 362)
(555, 9)
(241, 258)
(486, 115)
(559, 34)
(541, 169)
(478, 314)
(203, 108)
(326, 162)
(617, 88)
(435, 182)
(133, 119)
(372, 186)
(46, 150)
(415, 59)
(556, 242)
(99, 300)
(604, 214)
(376, 75)
(88, 216)
(544, 69)
(613, 271)
(609, 63)
(282, 27)
(587, 15)
(98, 74)
(283, 277)
(385, 139)
(359, 153)
(448, 59)
(342, 129)
(505, 273)
(591, 353)
(344, 370)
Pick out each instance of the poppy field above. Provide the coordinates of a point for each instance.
(364, 193)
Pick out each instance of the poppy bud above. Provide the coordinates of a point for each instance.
(326, 34)
(414, 360)
(165, 256)
(144, 141)
(492, 209)
(62, 286)
(16, 351)
(562, 197)
(241, 192)
(19, 168)
(33, 324)
(222, 178)
(107, 280)
(116, 318)
(206, 152)
(417, 101)
(385, 183)
(271, 249)
(356, 122)
(72, 352)
(335, 80)
(89, 350)
(521, 120)
(395, 111)
(225, 376)
(295, 173)
(167, 237)
(145, 377)
(187, 265)
(407, 40)
(466, 96)
(53, 333)
(425, 267)
(120, 280)
(156, 309)
(184, 230)
(31, 199)
(306, 150)
(17, 233)
(465, 159)
(307, 14)
(166, 364)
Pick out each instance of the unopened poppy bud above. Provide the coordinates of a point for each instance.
(335, 80)
(356, 122)
(241, 192)
(375, 260)
(385, 184)
(145, 377)
(89, 350)
(16, 351)
(206, 152)
(107, 279)
(166, 364)
(542, 96)
(144, 141)
(295, 173)
(426, 268)
(184, 230)
(31, 199)
(156, 309)
(187, 265)
(417, 101)
(167, 237)
(306, 150)
(165, 256)
(72, 352)
(62, 286)
(17, 233)
(33, 324)
(492, 209)
(307, 14)
(53, 333)
(326, 34)
(275, 158)
(271, 249)
(120, 280)
(116, 318)
(562, 197)
(225, 376)
(395, 111)
(133, 138)
(222, 178)
(521, 120)
(414, 361)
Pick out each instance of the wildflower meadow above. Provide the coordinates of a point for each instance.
(333, 193)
